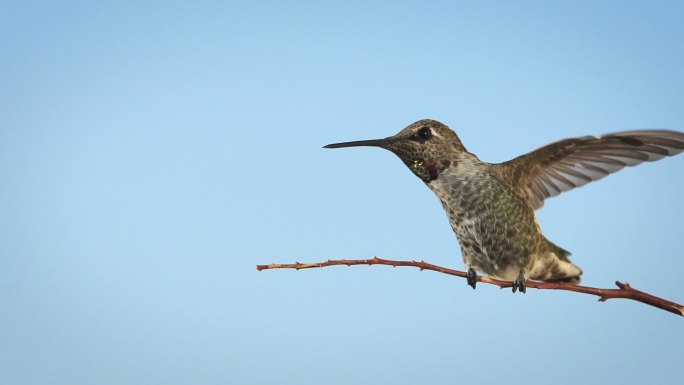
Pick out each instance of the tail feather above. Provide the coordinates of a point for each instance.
(555, 266)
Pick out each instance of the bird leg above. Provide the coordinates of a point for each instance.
(471, 277)
(519, 283)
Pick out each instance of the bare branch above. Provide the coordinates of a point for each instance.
(624, 290)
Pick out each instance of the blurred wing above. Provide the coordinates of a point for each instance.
(566, 164)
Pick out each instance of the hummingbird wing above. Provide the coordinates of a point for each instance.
(561, 166)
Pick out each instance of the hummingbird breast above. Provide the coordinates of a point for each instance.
(496, 229)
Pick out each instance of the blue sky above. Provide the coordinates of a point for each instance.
(152, 153)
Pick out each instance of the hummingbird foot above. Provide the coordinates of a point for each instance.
(519, 283)
(471, 277)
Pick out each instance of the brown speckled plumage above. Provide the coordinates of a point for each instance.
(491, 206)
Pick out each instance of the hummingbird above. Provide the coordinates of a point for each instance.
(491, 206)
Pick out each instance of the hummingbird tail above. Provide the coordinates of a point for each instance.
(555, 266)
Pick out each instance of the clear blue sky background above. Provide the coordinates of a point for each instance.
(152, 153)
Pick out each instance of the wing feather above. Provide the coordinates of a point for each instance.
(571, 163)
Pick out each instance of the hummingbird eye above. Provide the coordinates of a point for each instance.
(424, 133)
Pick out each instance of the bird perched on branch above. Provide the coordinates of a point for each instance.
(491, 206)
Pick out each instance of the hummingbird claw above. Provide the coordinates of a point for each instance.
(519, 283)
(471, 277)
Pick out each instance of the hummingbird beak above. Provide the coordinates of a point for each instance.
(361, 143)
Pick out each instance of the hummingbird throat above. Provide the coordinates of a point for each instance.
(428, 171)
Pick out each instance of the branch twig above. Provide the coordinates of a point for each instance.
(624, 290)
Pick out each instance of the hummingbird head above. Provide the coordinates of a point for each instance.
(427, 147)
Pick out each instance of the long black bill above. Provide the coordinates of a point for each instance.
(360, 143)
